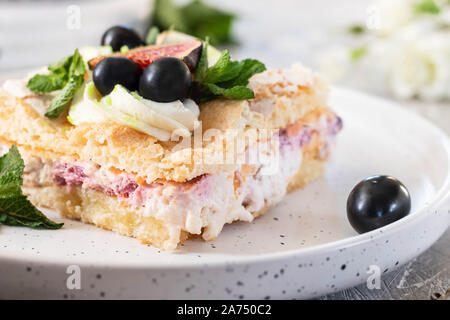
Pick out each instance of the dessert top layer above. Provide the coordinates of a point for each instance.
(153, 87)
(277, 104)
(172, 108)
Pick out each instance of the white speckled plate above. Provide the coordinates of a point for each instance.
(302, 248)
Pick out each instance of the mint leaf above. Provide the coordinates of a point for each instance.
(223, 70)
(166, 14)
(55, 80)
(46, 82)
(66, 74)
(202, 65)
(358, 53)
(61, 66)
(152, 35)
(77, 66)
(427, 6)
(248, 68)
(61, 101)
(195, 18)
(11, 169)
(235, 93)
(15, 208)
(207, 21)
(226, 79)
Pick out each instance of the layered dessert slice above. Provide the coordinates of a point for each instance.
(188, 169)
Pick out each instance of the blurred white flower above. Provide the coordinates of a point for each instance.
(408, 55)
(393, 14)
(336, 63)
(443, 19)
(422, 68)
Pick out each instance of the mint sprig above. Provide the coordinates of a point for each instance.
(46, 82)
(225, 79)
(60, 102)
(65, 75)
(427, 6)
(195, 18)
(15, 208)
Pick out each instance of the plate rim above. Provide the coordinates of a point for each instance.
(442, 196)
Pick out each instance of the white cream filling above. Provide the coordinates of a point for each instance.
(213, 201)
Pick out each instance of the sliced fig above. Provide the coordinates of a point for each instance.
(173, 36)
(193, 57)
(189, 52)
